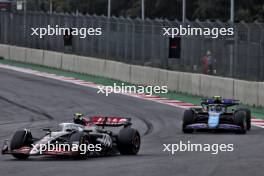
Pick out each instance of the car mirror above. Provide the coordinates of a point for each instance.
(47, 130)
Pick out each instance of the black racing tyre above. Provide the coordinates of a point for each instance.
(79, 138)
(20, 139)
(197, 109)
(240, 120)
(248, 116)
(129, 141)
(188, 117)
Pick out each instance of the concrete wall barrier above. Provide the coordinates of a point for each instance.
(117, 70)
(80, 65)
(137, 75)
(212, 85)
(246, 91)
(68, 62)
(162, 78)
(189, 83)
(173, 80)
(89, 65)
(4, 51)
(17, 53)
(52, 59)
(34, 56)
(261, 94)
(148, 76)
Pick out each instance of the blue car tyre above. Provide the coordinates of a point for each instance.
(240, 119)
(188, 118)
(248, 116)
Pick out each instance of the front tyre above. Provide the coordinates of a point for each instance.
(21, 138)
(188, 117)
(241, 120)
(128, 141)
(248, 116)
(78, 139)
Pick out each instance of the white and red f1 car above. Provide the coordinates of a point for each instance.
(95, 135)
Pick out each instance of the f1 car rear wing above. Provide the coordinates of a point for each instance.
(224, 102)
(110, 121)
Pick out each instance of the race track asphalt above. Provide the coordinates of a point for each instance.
(32, 102)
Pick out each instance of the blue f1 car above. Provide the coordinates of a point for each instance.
(215, 114)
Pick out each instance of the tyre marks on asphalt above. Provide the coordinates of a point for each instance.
(27, 108)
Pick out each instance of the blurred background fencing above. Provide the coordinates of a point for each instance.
(141, 42)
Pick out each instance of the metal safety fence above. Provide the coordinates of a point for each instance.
(142, 42)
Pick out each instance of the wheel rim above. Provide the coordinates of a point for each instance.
(136, 141)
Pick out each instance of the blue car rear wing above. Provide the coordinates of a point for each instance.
(224, 102)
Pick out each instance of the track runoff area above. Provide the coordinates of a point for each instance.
(256, 122)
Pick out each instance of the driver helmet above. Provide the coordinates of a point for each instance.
(78, 118)
(217, 99)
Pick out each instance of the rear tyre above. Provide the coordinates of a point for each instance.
(188, 117)
(240, 120)
(248, 116)
(21, 138)
(128, 141)
(79, 138)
